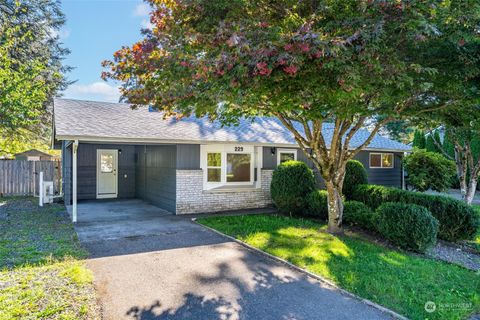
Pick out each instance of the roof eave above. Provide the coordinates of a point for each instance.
(123, 140)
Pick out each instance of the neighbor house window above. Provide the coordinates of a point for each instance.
(227, 165)
(381, 160)
(286, 155)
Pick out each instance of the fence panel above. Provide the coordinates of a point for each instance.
(21, 177)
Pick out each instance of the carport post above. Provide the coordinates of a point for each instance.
(74, 182)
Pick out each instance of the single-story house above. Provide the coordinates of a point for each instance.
(34, 155)
(191, 165)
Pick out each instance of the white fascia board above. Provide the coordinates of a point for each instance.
(92, 139)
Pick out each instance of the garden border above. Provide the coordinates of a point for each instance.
(308, 273)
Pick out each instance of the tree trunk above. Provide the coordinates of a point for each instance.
(461, 163)
(335, 208)
(470, 192)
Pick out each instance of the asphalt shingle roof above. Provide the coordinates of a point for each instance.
(90, 120)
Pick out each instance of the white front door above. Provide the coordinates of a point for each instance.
(107, 182)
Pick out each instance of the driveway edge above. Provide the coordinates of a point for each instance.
(308, 273)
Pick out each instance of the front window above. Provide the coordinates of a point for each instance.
(238, 167)
(228, 165)
(381, 160)
(214, 167)
(286, 155)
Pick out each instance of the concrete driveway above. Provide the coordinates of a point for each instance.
(149, 264)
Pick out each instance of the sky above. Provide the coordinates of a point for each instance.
(94, 30)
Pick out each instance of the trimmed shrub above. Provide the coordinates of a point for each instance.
(355, 174)
(291, 182)
(429, 170)
(409, 226)
(359, 214)
(457, 219)
(317, 204)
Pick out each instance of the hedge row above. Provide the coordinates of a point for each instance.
(409, 226)
(457, 220)
(358, 214)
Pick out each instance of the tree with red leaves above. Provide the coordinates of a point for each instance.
(351, 63)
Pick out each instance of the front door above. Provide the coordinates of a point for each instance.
(107, 182)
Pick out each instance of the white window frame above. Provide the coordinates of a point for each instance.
(224, 150)
(280, 151)
(381, 160)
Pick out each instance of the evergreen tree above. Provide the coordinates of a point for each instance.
(430, 144)
(448, 145)
(419, 139)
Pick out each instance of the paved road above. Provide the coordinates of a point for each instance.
(180, 270)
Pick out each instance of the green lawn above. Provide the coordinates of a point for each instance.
(41, 272)
(400, 281)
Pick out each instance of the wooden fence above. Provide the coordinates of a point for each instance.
(21, 177)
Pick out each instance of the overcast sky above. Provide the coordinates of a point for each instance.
(94, 30)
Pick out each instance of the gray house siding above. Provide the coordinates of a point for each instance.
(383, 176)
(156, 175)
(188, 156)
(386, 177)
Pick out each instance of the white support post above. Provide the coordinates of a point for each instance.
(74, 181)
(40, 189)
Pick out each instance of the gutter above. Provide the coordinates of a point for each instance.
(96, 139)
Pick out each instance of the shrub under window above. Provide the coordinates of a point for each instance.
(291, 182)
(355, 174)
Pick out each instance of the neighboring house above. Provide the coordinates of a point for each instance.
(190, 165)
(34, 155)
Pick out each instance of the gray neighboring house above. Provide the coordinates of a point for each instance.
(186, 166)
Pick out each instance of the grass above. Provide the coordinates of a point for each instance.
(400, 281)
(41, 272)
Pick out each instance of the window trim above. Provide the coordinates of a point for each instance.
(224, 150)
(280, 151)
(381, 160)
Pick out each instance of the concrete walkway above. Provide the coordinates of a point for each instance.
(179, 270)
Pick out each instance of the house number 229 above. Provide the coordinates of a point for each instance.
(238, 148)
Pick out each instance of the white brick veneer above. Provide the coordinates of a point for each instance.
(191, 198)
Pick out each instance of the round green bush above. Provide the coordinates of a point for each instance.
(358, 214)
(292, 181)
(355, 174)
(429, 170)
(409, 226)
(317, 204)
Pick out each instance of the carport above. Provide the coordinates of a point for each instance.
(117, 171)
